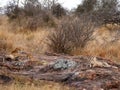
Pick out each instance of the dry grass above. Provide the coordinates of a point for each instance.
(34, 42)
(29, 41)
(48, 86)
(103, 44)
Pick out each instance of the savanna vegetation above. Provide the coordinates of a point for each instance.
(46, 26)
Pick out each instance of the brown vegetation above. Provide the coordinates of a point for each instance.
(70, 34)
(39, 28)
(27, 40)
(45, 86)
(36, 42)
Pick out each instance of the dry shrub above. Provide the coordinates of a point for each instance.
(58, 11)
(71, 33)
(38, 21)
(30, 16)
(33, 23)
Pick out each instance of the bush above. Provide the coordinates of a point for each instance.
(58, 11)
(12, 10)
(70, 34)
(30, 16)
(87, 6)
(99, 10)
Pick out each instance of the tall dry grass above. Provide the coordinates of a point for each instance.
(33, 42)
(30, 41)
(106, 44)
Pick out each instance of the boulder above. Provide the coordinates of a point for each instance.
(62, 64)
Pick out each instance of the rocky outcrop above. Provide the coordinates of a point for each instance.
(62, 64)
(81, 72)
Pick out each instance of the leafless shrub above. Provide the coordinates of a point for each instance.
(70, 34)
(31, 8)
(99, 10)
(43, 19)
(58, 11)
(12, 10)
(31, 15)
(48, 3)
(86, 6)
